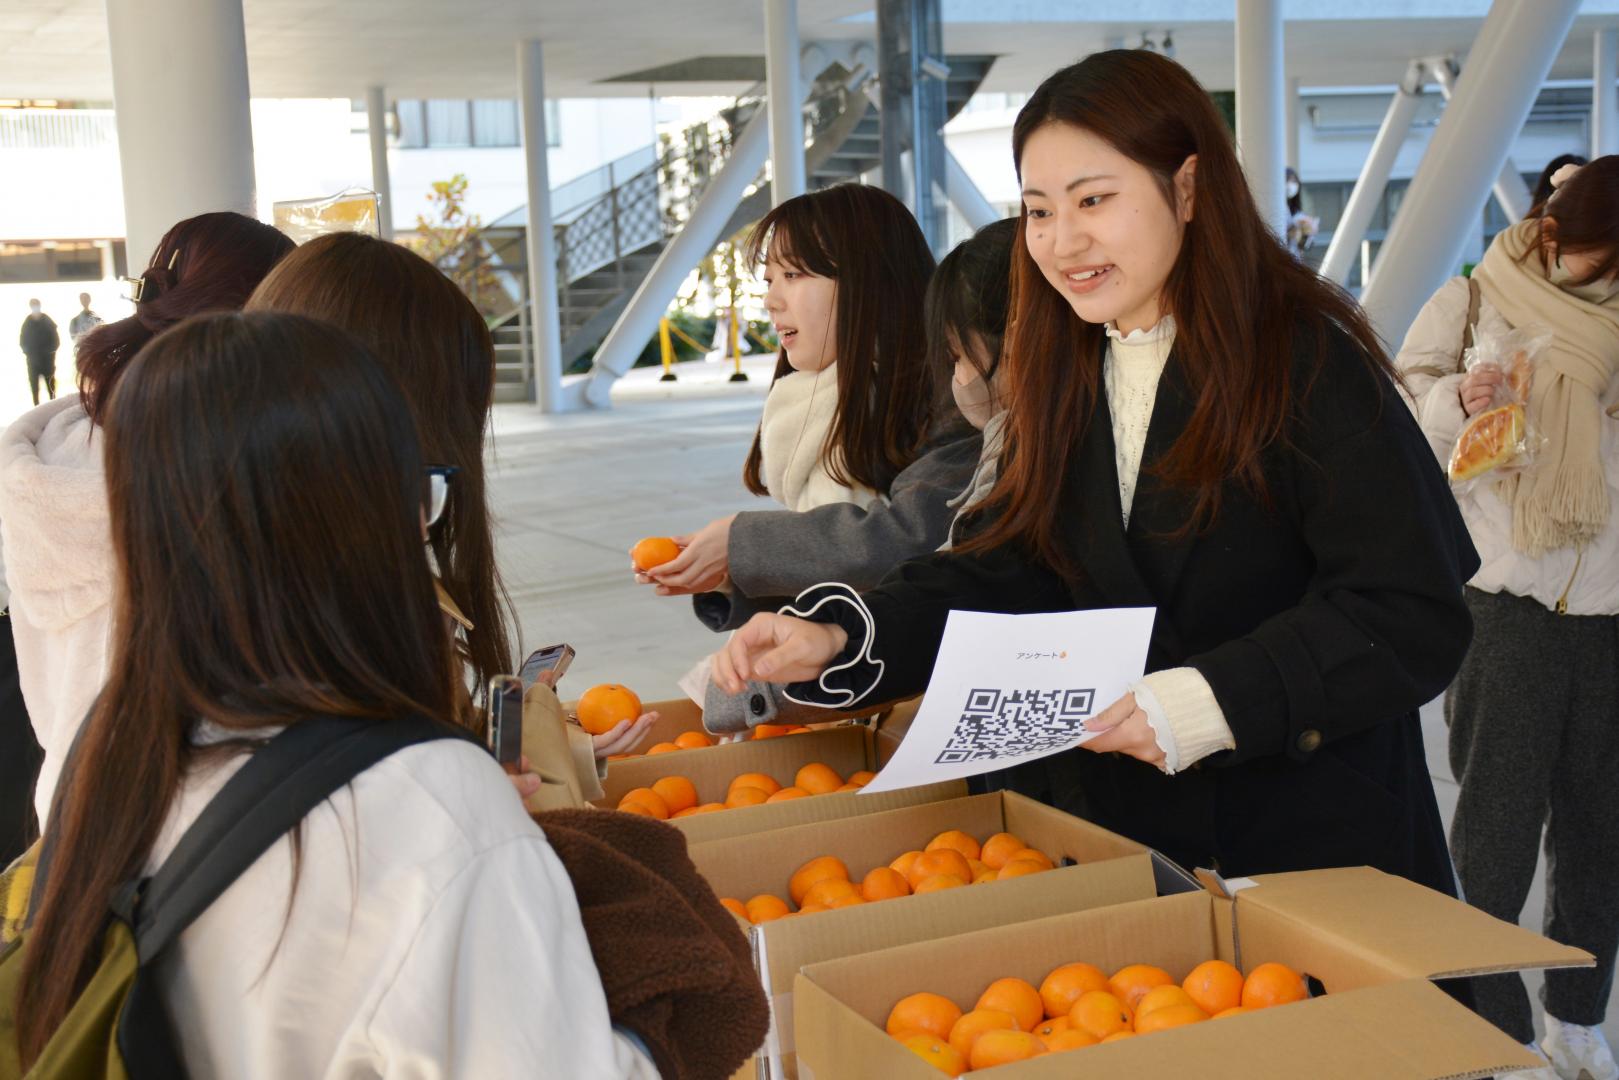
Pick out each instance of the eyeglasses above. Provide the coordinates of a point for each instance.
(437, 495)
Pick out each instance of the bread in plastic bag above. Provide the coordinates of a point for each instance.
(1500, 437)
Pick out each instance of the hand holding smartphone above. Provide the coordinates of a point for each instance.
(506, 721)
(552, 658)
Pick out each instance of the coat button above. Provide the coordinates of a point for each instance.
(756, 704)
(1310, 741)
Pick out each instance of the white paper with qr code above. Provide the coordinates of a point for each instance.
(1012, 688)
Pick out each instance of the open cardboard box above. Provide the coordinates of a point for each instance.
(1372, 940)
(848, 748)
(1106, 869)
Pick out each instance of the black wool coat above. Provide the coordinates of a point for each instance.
(1321, 621)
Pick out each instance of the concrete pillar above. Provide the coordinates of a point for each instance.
(376, 116)
(1511, 193)
(784, 100)
(1292, 122)
(1492, 99)
(1605, 92)
(1261, 112)
(185, 133)
(542, 253)
(1374, 177)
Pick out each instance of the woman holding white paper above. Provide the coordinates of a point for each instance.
(1199, 424)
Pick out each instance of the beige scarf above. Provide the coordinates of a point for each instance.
(1563, 500)
(793, 447)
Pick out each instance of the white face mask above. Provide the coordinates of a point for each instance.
(1292, 189)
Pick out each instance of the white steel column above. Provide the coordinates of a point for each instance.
(1492, 99)
(1374, 178)
(542, 252)
(784, 99)
(960, 189)
(639, 321)
(376, 116)
(1261, 112)
(1605, 92)
(185, 133)
(1511, 193)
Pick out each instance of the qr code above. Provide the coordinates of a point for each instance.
(1010, 723)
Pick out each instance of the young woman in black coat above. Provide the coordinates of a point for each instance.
(1199, 424)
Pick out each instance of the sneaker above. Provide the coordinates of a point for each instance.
(1546, 1072)
(1578, 1052)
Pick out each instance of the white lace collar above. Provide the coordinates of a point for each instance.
(1164, 329)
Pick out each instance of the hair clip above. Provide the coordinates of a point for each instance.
(137, 286)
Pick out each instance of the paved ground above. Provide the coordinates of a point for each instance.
(574, 492)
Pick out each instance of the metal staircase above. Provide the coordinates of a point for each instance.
(609, 234)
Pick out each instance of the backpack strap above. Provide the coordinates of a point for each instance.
(266, 799)
(1470, 327)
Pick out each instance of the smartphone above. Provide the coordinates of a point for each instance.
(551, 658)
(506, 720)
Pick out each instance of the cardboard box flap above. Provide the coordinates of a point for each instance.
(752, 820)
(1406, 928)
(1408, 1030)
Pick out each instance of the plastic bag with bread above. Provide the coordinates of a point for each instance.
(1499, 437)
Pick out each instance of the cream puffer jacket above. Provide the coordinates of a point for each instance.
(1574, 582)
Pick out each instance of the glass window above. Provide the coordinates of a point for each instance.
(449, 123)
(494, 123)
(412, 130)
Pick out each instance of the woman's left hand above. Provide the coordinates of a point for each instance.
(702, 565)
(622, 737)
(1125, 730)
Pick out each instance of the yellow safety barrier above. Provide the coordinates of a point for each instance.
(667, 351)
(736, 350)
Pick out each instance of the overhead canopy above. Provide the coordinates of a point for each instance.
(612, 48)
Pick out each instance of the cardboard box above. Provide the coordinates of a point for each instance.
(1372, 940)
(1106, 869)
(848, 748)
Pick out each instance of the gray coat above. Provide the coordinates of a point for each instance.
(776, 554)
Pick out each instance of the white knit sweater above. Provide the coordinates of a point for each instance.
(1186, 719)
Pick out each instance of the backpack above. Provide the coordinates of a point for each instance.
(118, 1027)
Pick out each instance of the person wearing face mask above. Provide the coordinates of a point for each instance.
(1301, 227)
(858, 441)
(39, 341)
(966, 315)
(1534, 741)
(1199, 424)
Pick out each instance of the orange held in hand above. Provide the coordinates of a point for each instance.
(602, 708)
(653, 552)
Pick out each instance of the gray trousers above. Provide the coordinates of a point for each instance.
(1534, 742)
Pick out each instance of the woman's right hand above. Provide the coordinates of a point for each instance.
(776, 649)
(1479, 388)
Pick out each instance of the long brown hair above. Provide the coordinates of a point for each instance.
(210, 262)
(430, 337)
(265, 489)
(888, 395)
(1243, 308)
(1583, 216)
